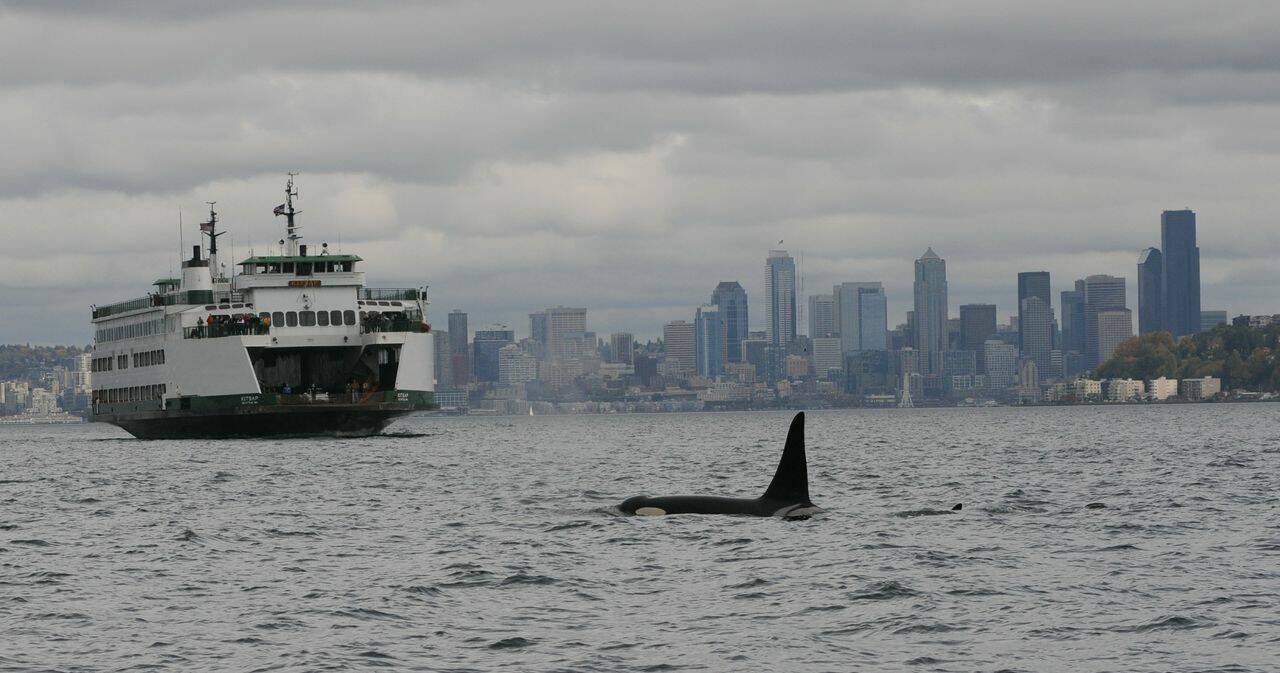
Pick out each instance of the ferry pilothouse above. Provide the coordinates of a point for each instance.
(294, 344)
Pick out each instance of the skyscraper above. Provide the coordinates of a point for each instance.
(566, 330)
(860, 314)
(623, 345)
(1035, 331)
(930, 309)
(1115, 325)
(1210, 319)
(822, 321)
(1073, 332)
(1031, 284)
(732, 300)
(780, 298)
(484, 352)
(1150, 291)
(459, 357)
(443, 359)
(977, 324)
(1180, 286)
(1101, 293)
(709, 327)
(678, 339)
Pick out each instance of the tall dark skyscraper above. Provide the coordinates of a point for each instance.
(1180, 288)
(1031, 284)
(1150, 292)
(732, 300)
(1073, 319)
(459, 358)
(977, 324)
(484, 351)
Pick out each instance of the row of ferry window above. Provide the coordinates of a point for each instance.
(137, 329)
(312, 318)
(143, 359)
(131, 394)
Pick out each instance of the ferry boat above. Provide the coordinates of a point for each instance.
(292, 345)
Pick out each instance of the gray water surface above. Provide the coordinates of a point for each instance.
(476, 544)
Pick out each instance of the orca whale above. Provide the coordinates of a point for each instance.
(787, 495)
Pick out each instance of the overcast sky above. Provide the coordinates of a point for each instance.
(627, 156)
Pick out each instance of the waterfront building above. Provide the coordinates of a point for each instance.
(732, 300)
(822, 316)
(1124, 390)
(797, 366)
(516, 366)
(780, 298)
(827, 356)
(709, 341)
(622, 345)
(1002, 363)
(1211, 319)
(1088, 389)
(1150, 291)
(1115, 326)
(1201, 389)
(1162, 389)
(930, 290)
(678, 337)
(1101, 293)
(1180, 288)
(484, 352)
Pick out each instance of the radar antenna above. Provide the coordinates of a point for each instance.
(288, 211)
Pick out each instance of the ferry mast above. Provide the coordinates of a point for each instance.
(288, 211)
(210, 229)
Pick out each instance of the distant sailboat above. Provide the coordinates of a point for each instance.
(530, 409)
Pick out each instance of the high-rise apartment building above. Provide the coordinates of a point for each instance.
(709, 341)
(780, 298)
(930, 309)
(1181, 280)
(1150, 291)
(732, 300)
(681, 352)
(1101, 293)
(860, 312)
(822, 321)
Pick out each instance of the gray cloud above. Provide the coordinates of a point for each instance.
(626, 158)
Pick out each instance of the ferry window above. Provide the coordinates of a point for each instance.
(335, 317)
(348, 317)
(277, 318)
(291, 319)
(308, 318)
(396, 303)
(161, 357)
(211, 307)
(264, 315)
(304, 268)
(322, 318)
(288, 267)
(237, 306)
(384, 303)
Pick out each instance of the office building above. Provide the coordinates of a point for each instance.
(459, 358)
(1073, 322)
(860, 312)
(780, 298)
(681, 351)
(1181, 280)
(1031, 284)
(930, 307)
(622, 345)
(709, 341)
(1101, 293)
(732, 300)
(977, 324)
(1150, 292)
(822, 321)
(1115, 326)
(516, 366)
(827, 356)
(443, 359)
(484, 352)
(1211, 319)
(1035, 332)
(1002, 363)
(566, 332)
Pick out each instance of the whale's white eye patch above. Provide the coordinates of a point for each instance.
(650, 511)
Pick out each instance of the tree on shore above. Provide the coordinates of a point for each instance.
(1242, 356)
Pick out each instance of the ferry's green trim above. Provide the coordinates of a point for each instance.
(283, 259)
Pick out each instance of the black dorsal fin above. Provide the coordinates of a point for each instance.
(791, 481)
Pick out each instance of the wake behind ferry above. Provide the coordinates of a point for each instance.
(292, 345)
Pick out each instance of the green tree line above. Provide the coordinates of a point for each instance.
(1243, 357)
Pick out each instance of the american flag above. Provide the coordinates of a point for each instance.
(279, 209)
(206, 227)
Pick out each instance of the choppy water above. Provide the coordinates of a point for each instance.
(487, 543)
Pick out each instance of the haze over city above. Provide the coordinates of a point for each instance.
(627, 158)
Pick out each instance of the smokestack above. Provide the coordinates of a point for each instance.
(195, 253)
